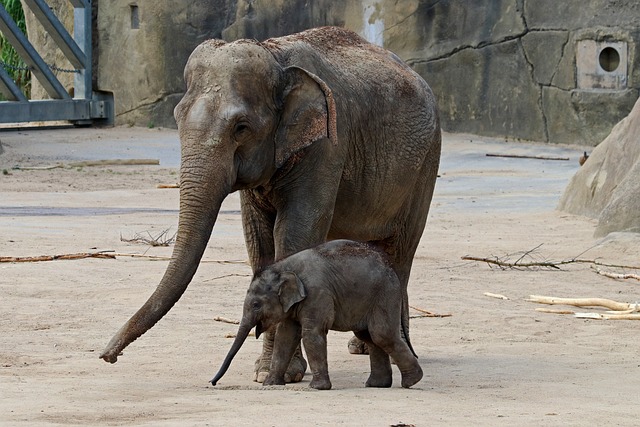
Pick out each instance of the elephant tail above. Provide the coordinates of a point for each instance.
(405, 332)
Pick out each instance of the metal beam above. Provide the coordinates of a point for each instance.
(83, 85)
(9, 88)
(29, 55)
(58, 32)
(51, 110)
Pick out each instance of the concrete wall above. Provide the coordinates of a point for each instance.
(522, 69)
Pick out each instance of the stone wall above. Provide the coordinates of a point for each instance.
(545, 70)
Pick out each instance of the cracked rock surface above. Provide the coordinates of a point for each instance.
(607, 187)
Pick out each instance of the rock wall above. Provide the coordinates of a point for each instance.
(607, 186)
(47, 48)
(545, 70)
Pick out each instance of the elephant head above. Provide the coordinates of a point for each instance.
(242, 117)
(269, 298)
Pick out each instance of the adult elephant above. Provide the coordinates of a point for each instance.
(325, 135)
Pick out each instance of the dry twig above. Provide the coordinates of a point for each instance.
(161, 239)
(426, 313)
(87, 163)
(82, 255)
(607, 316)
(585, 302)
(519, 156)
(504, 263)
(554, 311)
(617, 276)
(225, 320)
(498, 296)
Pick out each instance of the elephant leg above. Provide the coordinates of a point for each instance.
(381, 374)
(297, 365)
(357, 346)
(286, 341)
(315, 344)
(388, 339)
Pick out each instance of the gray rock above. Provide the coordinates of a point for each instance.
(607, 186)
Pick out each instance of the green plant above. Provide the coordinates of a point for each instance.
(9, 58)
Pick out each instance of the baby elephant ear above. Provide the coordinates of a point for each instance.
(291, 290)
(308, 114)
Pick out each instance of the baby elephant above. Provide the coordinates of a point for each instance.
(340, 285)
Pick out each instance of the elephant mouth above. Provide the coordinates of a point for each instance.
(259, 329)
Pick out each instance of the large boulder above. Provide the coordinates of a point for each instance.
(607, 186)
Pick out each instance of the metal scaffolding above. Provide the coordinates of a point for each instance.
(86, 105)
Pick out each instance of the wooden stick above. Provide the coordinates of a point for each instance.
(554, 311)
(114, 162)
(57, 257)
(426, 313)
(225, 320)
(87, 163)
(104, 255)
(418, 316)
(498, 296)
(516, 264)
(605, 316)
(616, 275)
(518, 156)
(584, 302)
(547, 264)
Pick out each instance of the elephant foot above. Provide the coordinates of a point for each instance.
(273, 380)
(297, 368)
(379, 382)
(411, 378)
(357, 346)
(294, 374)
(320, 383)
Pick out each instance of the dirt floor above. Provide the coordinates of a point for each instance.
(492, 362)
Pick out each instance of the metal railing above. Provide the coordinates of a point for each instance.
(86, 105)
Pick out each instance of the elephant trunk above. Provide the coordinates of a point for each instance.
(200, 199)
(243, 333)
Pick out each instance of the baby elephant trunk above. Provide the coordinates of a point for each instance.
(243, 333)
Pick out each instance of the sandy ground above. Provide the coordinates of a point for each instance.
(493, 362)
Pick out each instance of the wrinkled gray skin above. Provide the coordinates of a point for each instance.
(325, 136)
(341, 286)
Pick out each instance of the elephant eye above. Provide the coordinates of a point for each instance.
(256, 305)
(240, 129)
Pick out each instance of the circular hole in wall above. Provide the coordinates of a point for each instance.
(609, 59)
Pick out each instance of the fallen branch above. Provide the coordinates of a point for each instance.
(518, 156)
(498, 296)
(168, 258)
(585, 302)
(58, 257)
(607, 316)
(617, 276)
(160, 240)
(105, 255)
(225, 320)
(554, 311)
(555, 265)
(516, 264)
(87, 163)
(426, 313)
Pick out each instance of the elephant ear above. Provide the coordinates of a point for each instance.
(291, 290)
(308, 114)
